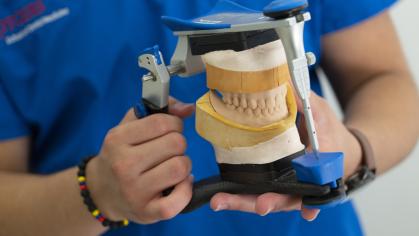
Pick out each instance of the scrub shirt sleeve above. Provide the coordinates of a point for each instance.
(12, 125)
(339, 14)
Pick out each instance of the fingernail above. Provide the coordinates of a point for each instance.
(314, 217)
(267, 211)
(221, 207)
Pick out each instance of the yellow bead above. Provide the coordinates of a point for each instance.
(95, 213)
(126, 222)
(82, 179)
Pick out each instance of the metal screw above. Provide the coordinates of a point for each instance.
(311, 58)
(148, 77)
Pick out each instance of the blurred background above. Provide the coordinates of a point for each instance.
(390, 206)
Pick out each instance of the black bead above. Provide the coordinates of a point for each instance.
(91, 208)
(88, 201)
(106, 223)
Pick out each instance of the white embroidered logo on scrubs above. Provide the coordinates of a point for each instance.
(22, 16)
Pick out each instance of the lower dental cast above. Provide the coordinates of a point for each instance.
(250, 111)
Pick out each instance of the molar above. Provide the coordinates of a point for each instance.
(231, 107)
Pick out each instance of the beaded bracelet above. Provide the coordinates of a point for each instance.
(88, 201)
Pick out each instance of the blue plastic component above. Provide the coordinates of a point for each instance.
(284, 5)
(155, 50)
(320, 169)
(140, 110)
(224, 15)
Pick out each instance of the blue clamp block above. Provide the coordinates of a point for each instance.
(321, 168)
(140, 110)
(155, 50)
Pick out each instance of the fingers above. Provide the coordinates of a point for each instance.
(262, 204)
(309, 214)
(273, 202)
(179, 108)
(316, 103)
(148, 128)
(167, 174)
(152, 153)
(165, 208)
(225, 201)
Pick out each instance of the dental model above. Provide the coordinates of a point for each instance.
(250, 111)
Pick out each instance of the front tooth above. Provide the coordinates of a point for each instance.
(261, 103)
(243, 102)
(253, 104)
(240, 109)
(236, 101)
(271, 110)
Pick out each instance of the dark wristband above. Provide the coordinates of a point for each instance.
(88, 201)
(366, 172)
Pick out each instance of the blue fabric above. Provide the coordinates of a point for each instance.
(67, 79)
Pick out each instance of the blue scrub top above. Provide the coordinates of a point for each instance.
(68, 73)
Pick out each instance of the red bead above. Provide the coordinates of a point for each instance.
(101, 219)
(83, 187)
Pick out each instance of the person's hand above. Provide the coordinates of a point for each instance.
(333, 136)
(139, 159)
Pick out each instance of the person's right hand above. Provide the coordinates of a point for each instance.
(139, 159)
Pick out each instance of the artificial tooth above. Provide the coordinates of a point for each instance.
(249, 111)
(270, 102)
(231, 107)
(258, 112)
(253, 104)
(240, 109)
(243, 102)
(236, 101)
(261, 103)
(227, 98)
(277, 99)
(265, 111)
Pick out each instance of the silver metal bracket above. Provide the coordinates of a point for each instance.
(157, 82)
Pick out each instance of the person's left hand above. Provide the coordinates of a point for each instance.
(332, 135)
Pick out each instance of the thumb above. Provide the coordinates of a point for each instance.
(180, 109)
(129, 116)
(315, 103)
